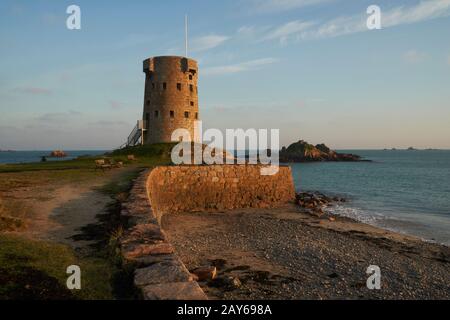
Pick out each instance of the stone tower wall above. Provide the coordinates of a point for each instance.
(170, 98)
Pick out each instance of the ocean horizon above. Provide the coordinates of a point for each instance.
(400, 190)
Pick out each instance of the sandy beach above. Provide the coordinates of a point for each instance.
(287, 253)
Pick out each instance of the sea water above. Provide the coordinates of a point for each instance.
(402, 190)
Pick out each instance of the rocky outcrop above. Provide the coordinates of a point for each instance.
(58, 154)
(302, 151)
(315, 202)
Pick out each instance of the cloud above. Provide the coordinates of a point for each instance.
(246, 30)
(239, 67)
(413, 57)
(344, 25)
(266, 6)
(207, 42)
(33, 90)
(284, 31)
(58, 117)
(425, 10)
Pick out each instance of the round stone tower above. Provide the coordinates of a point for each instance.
(170, 98)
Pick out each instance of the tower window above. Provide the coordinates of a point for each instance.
(196, 115)
(186, 114)
(153, 85)
(179, 86)
(148, 102)
(190, 77)
(164, 86)
(147, 119)
(191, 87)
(156, 113)
(192, 103)
(172, 113)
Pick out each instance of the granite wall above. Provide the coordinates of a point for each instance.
(175, 189)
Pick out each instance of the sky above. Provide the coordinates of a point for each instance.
(310, 68)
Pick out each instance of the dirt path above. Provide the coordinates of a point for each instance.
(71, 208)
(59, 212)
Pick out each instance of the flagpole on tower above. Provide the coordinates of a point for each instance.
(186, 34)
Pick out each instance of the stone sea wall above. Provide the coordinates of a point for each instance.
(160, 274)
(175, 189)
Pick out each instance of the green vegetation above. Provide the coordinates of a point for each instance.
(154, 154)
(31, 269)
(145, 155)
(37, 270)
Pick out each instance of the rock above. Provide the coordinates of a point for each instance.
(145, 233)
(58, 154)
(174, 291)
(218, 263)
(226, 282)
(146, 261)
(235, 282)
(141, 250)
(302, 151)
(315, 202)
(163, 272)
(205, 273)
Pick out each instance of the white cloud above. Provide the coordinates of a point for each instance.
(247, 31)
(239, 67)
(207, 42)
(265, 6)
(423, 11)
(413, 57)
(283, 32)
(344, 25)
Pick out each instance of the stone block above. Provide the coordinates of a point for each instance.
(174, 291)
(205, 273)
(136, 251)
(163, 272)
